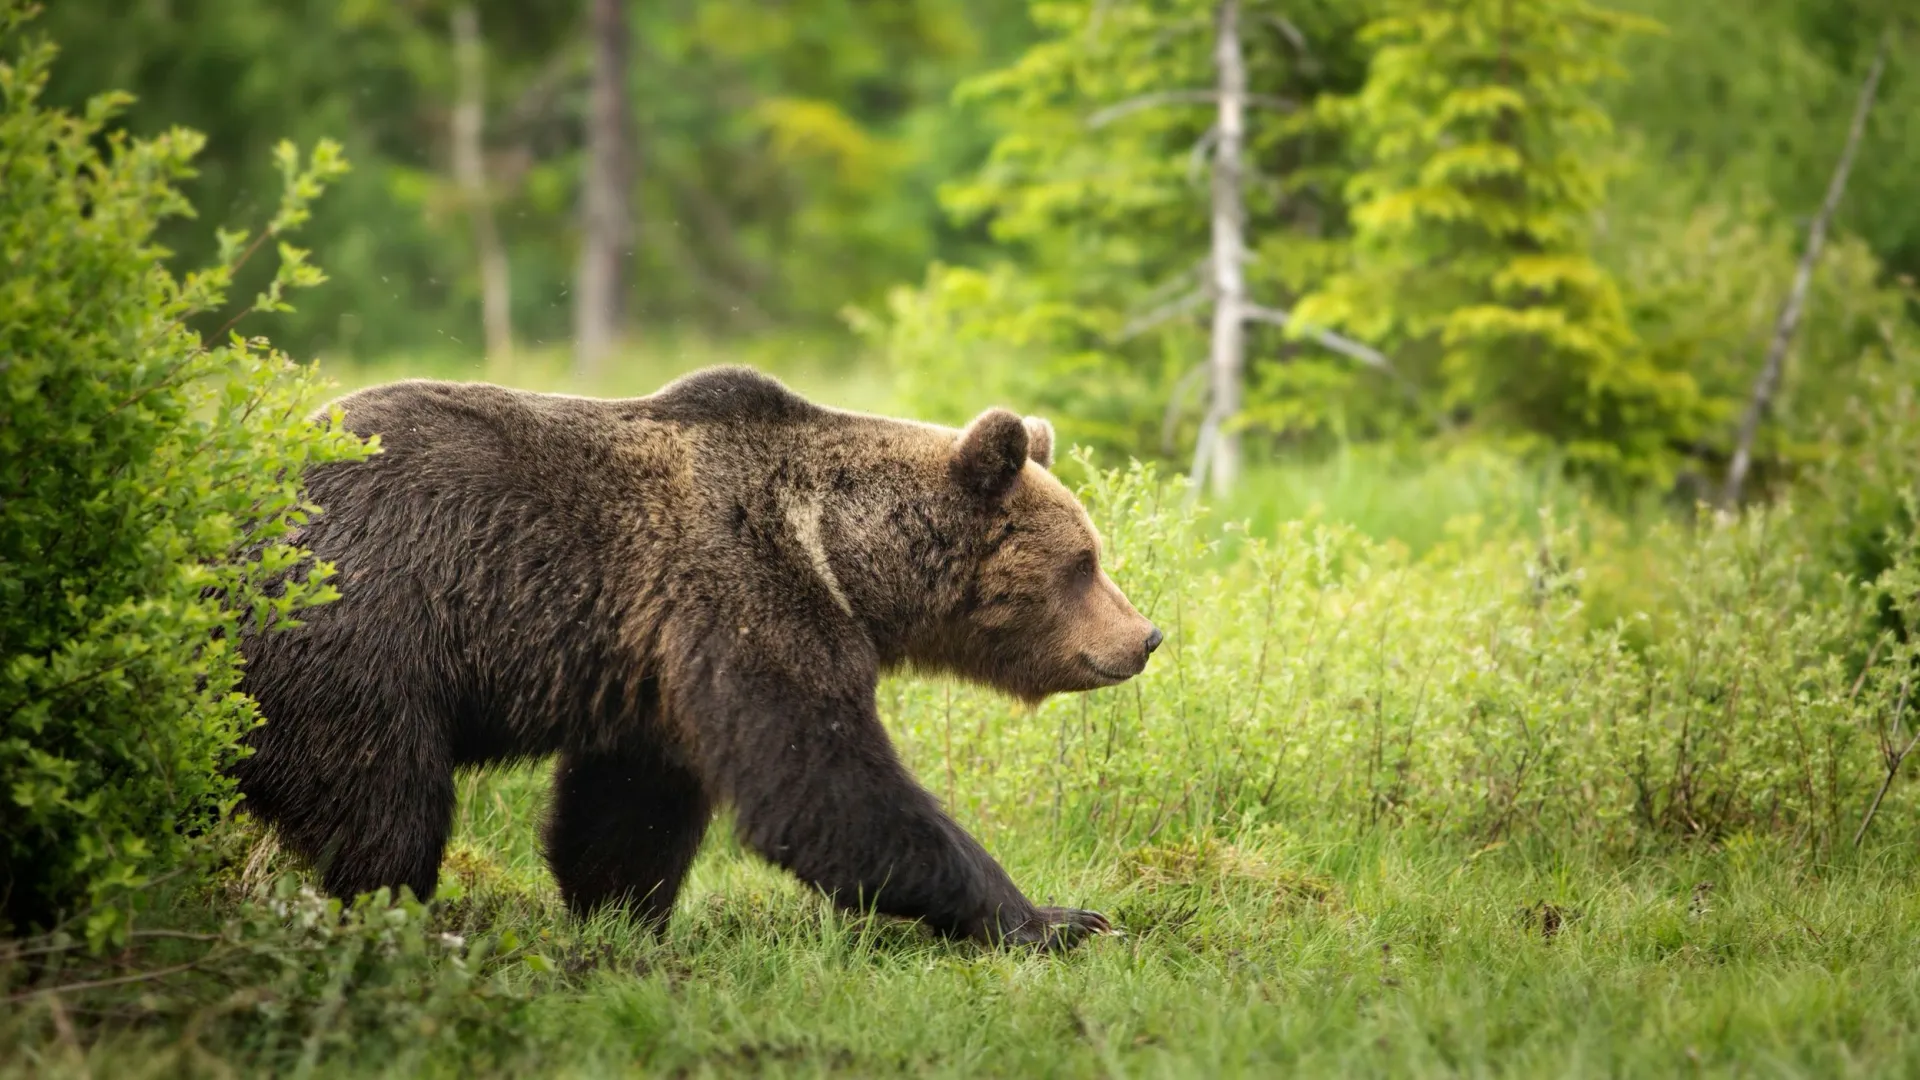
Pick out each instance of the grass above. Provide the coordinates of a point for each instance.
(1274, 952)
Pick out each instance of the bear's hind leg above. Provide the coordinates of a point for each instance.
(624, 829)
(369, 820)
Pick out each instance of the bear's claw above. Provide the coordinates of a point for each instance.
(1057, 929)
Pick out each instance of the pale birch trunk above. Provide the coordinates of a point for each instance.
(1218, 459)
(606, 220)
(469, 170)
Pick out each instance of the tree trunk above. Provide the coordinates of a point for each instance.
(1218, 458)
(606, 219)
(469, 171)
(1768, 381)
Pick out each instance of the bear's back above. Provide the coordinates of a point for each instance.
(726, 396)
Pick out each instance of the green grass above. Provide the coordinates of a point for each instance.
(1275, 952)
(1388, 494)
(1278, 951)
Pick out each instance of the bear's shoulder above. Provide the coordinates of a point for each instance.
(730, 395)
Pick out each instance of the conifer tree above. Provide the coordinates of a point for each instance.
(1482, 160)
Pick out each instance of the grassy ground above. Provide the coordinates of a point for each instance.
(1276, 953)
(1282, 936)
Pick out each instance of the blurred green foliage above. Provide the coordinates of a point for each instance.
(797, 162)
(1480, 160)
(1751, 100)
(1096, 194)
(787, 154)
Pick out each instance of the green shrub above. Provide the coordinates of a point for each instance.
(143, 476)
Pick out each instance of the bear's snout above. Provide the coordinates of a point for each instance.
(1119, 640)
(1124, 653)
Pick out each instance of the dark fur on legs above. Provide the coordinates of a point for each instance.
(625, 827)
(367, 818)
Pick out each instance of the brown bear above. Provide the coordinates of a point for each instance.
(689, 597)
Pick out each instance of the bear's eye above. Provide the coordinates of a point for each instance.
(1085, 565)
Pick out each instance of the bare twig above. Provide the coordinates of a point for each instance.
(1161, 98)
(1289, 31)
(1176, 284)
(1339, 343)
(118, 980)
(1866, 669)
(175, 935)
(1176, 402)
(18, 950)
(1149, 101)
(1198, 156)
(1769, 379)
(1172, 309)
(1893, 764)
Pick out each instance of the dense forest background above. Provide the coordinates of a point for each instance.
(1013, 195)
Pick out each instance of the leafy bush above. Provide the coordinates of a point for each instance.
(143, 476)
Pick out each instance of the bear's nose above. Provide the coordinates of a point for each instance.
(1154, 639)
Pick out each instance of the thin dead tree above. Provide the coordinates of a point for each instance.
(1768, 382)
(606, 217)
(1219, 280)
(1217, 457)
(469, 170)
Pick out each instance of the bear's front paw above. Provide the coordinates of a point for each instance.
(1058, 929)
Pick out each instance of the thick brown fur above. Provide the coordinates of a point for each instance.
(689, 598)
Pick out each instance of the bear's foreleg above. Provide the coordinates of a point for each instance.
(818, 790)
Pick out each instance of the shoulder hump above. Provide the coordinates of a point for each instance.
(730, 394)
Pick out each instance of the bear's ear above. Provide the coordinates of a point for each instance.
(990, 453)
(1039, 441)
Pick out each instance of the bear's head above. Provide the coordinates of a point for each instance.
(1036, 613)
